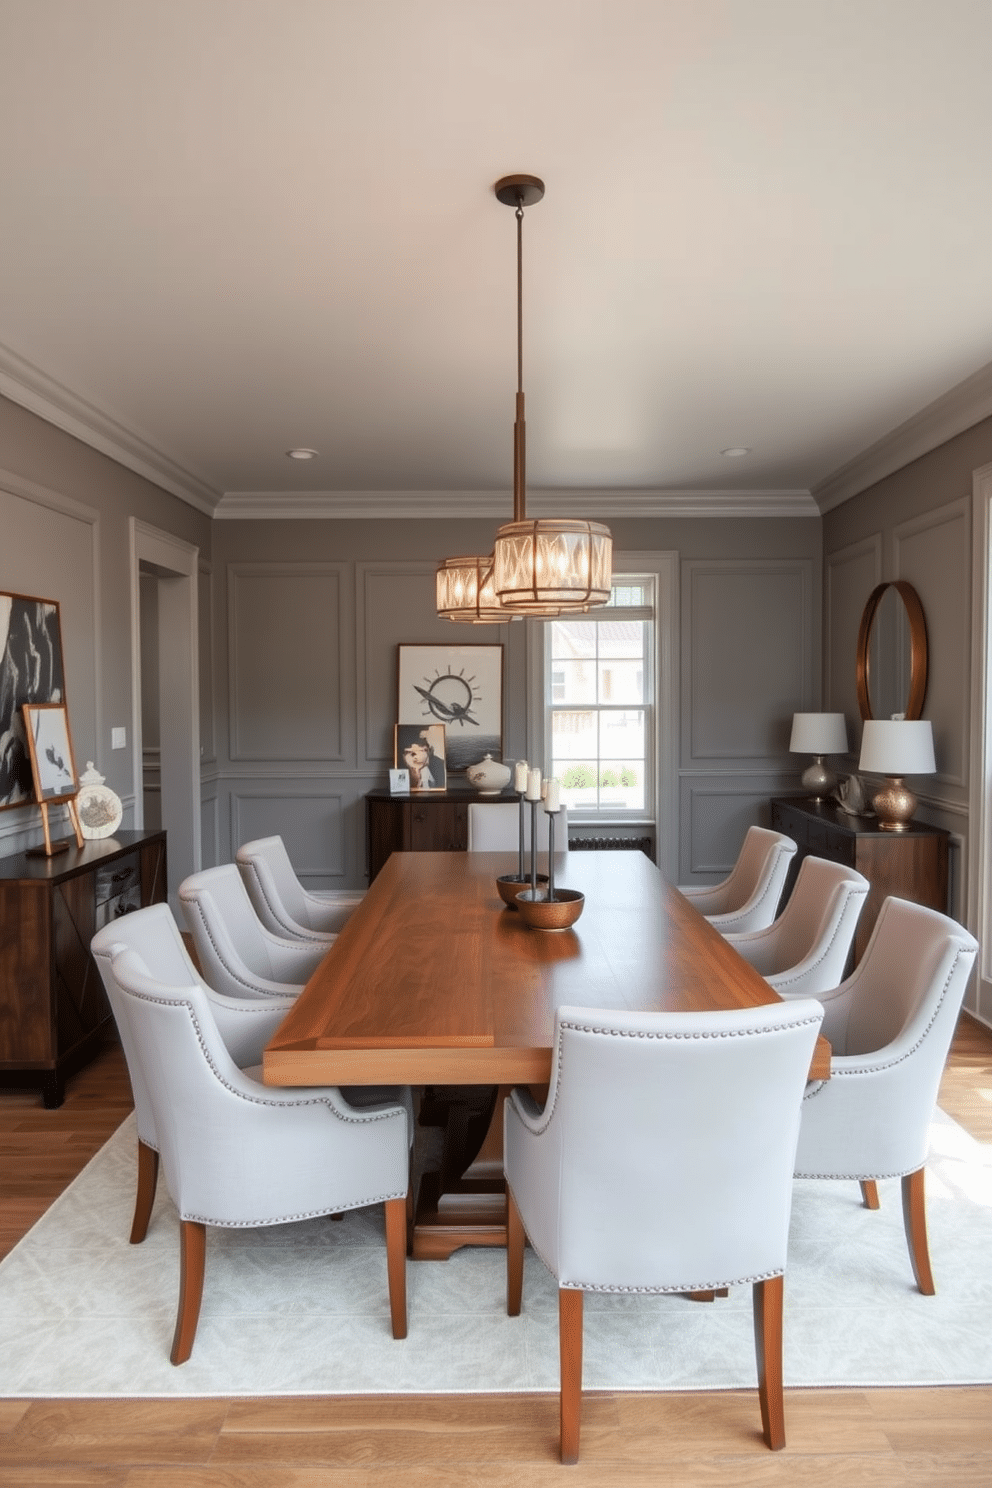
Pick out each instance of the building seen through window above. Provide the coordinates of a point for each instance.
(599, 703)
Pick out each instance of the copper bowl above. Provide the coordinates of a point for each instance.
(509, 886)
(552, 914)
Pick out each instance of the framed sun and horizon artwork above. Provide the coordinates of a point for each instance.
(460, 687)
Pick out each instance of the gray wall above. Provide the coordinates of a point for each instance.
(64, 535)
(915, 525)
(307, 617)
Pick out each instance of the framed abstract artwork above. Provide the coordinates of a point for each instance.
(31, 671)
(460, 687)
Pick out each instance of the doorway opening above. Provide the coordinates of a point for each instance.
(165, 701)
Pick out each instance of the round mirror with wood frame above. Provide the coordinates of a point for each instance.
(917, 643)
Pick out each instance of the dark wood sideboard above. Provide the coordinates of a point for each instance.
(53, 1009)
(424, 821)
(911, 864)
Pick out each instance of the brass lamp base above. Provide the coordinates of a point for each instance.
(894, 806)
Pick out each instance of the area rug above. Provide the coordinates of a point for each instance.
(302, 1309)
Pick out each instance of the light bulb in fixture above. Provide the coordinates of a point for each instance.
(302, 454)
(735, 451)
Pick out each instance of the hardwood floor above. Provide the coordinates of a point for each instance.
(881, 1438)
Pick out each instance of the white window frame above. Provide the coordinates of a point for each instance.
(646, 614)
(663, 568)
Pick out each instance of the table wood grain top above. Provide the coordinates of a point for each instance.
(434, 981)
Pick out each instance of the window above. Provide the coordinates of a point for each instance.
(599, 703)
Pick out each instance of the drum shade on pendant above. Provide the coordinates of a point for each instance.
(544, 566)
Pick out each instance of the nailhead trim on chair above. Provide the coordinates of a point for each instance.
(293, 931)
(842, 1074)
(356, 1120)
(826, 949)
(872, 1069)
(696, 1284)
(251, 986)
(725, 918)
(257, 1224)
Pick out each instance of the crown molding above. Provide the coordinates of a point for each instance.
(601, 504)
(954, 412)
(32, 389)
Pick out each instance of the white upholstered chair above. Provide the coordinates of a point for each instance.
(748, 899)
(804, 952)
(610, 1204)
(889, 1025)
(237, 1153)
(237, 954)
(244, 1025)
(281, 902)
(496, 828)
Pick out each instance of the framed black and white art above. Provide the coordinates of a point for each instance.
(31, 671)
(460, 687)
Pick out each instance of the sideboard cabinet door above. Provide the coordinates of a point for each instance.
(53, 1009)
(910, 865)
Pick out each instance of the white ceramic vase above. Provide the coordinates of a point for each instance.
(489, 776)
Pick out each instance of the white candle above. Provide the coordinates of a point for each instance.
(534, 785)
(552, 801)
(520, 777)
(544, 789)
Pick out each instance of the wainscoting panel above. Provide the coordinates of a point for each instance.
(715, 814)
(849, 577)
(205, 641)
(748, 663)
(289, 640)
(311, 821)
(934, 553)
(209, 829)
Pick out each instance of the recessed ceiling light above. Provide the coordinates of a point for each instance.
(302, 454)
(735, 451)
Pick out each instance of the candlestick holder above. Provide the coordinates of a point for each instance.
(509, 885)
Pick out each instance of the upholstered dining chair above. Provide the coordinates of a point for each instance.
(281, 902)
(236, 1153)
(609, 1207)
(748, 899)
(804, 951)
(889, 1026)
(237, 954)
(496, 828)
(244, 1025)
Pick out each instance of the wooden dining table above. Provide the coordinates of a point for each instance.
(435, 983)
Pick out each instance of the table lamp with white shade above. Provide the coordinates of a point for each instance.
(896, 747)
(818, 734)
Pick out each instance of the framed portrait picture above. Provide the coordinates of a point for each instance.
(460, 687)
(52, 765)
(421, 752)
(31, 671)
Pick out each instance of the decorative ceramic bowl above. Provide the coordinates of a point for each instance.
(489, 776)
(509, 886)
(551, 914)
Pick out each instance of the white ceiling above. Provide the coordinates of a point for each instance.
(235, 226)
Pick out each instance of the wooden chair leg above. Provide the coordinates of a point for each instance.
(396, 1263)
(570, 1353)
(767, 1297)
(192, 1259)
(914, 1214)
(869, 1192)
(145, 1196)
(514, 1257)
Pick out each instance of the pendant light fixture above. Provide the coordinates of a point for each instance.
(543, 566)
